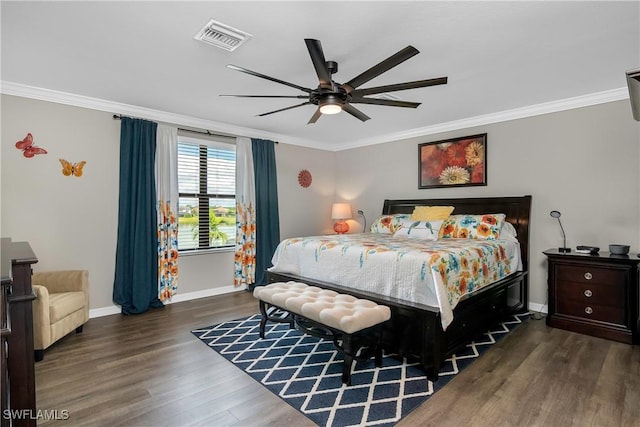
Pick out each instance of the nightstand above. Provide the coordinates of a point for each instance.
(594, 294)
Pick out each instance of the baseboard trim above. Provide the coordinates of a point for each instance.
(539, 308)
(115, 309)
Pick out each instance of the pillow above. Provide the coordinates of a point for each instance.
(387, 224)
(426, 230)
(431, 213)
(508, 232)
(482, 227)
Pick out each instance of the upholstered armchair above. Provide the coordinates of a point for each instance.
(61, 305)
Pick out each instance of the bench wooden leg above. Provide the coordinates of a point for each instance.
(264, 311)
(348, 359)
(358, 346)
(263, 321)
(353, 343)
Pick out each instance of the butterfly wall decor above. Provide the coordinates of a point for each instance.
(28, 149)
(69, 168)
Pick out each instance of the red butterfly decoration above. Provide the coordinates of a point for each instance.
(28, 149)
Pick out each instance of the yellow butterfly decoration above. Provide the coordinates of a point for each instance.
(69, 168)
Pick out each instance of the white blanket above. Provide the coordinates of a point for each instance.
(432, 273)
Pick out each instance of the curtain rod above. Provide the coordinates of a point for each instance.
(206, 132)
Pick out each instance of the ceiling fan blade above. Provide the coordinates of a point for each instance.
(355, 112)
(319, 62)
(399, 86)
(270, 96)
(284, 109)
(315, 117)
(273, 79)
(380, 68)
(386, 102)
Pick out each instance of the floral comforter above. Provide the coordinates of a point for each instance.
(434, 273)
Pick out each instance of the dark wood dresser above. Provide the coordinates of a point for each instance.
(594, 294)
(18, 381)
(5, 326)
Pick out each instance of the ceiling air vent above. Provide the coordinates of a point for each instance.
(222, 36)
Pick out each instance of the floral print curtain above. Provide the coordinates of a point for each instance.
(245, 251)
(166, 174)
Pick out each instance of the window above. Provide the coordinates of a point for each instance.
(206, 194)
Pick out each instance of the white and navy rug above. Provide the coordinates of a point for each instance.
(306, 371)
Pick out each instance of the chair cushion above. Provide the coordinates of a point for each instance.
(63, 304)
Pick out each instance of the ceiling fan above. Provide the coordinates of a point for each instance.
(332, 97)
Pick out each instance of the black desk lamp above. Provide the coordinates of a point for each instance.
(364, 227)
(564, 248)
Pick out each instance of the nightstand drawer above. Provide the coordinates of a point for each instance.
(589, 274)
(610, 295)
(591, 311)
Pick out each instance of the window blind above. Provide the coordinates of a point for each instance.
(206, 187)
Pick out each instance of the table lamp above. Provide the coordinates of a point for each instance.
(340, 212)
(564, 248)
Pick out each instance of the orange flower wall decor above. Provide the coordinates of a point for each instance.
(304, 178)
(453, 162)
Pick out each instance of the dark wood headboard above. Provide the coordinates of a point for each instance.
(517, 210)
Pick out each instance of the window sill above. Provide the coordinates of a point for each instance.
(205, 251)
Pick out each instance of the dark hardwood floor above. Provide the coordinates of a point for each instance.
(149, 370)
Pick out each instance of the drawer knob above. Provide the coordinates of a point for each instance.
(588, 310)
(588, 276)
(588, 293)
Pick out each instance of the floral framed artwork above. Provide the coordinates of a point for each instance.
(453, 162)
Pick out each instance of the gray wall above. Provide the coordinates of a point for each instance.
(305, 211)
(582, 162)
(71, 223)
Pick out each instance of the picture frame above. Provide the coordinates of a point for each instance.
(455, 162)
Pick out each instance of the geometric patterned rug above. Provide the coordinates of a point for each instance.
(306, 372)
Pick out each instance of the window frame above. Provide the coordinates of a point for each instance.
(202, 196)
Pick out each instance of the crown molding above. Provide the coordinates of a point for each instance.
(16, 89)
(502, 116)
(25, 91)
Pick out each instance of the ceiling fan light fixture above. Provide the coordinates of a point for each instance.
(330, 109)
(331, 97)
(330, 105)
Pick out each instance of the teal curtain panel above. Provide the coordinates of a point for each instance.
(135, 286)
(267, 217)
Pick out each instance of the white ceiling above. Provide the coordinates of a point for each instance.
(500, 58)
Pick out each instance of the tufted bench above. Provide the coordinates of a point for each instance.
(353, 324)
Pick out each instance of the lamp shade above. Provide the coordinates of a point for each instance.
(341, 211)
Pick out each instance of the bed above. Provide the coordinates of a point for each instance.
(421, 327)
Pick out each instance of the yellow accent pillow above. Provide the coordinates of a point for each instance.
(431, 213)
